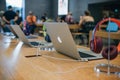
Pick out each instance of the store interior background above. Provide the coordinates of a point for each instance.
(77, 7)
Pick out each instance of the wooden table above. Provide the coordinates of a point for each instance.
(104, 34)
(102, 27)
(15, 66)
(73, 26)
(38, 28)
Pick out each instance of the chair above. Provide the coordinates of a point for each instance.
(86, 28)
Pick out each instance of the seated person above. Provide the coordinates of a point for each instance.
(58, 19)
(44, 16)
(85, 20)
(43, 19)
(45, 34)
(63, 18)
(69, 18)
(31, 22)
(19, 20)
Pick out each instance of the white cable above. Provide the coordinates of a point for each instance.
(60, 72)
(57, 72)
(82, 60)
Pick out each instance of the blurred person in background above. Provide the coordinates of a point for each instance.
(9, 16)
(31, 22)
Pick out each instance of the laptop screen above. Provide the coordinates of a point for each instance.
(62, 39)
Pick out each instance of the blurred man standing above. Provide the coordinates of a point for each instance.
(9, 16)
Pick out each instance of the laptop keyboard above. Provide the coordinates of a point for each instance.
(34, 43)
(31, 37)
(84, 55)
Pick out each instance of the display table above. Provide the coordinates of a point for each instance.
(50, 66)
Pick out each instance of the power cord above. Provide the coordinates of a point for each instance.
(40, 48)
(57, 72)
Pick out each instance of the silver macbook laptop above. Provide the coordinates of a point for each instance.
(15, 34)
(63, 42)
(22, 36)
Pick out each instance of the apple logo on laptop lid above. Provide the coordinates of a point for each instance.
(59, 39)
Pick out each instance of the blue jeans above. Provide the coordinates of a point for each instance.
(30, 28)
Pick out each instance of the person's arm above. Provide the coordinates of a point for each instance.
(81, 21)
(71, 19)
(16, 18)
(28, 19)
(34, 19)
(5, 20)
